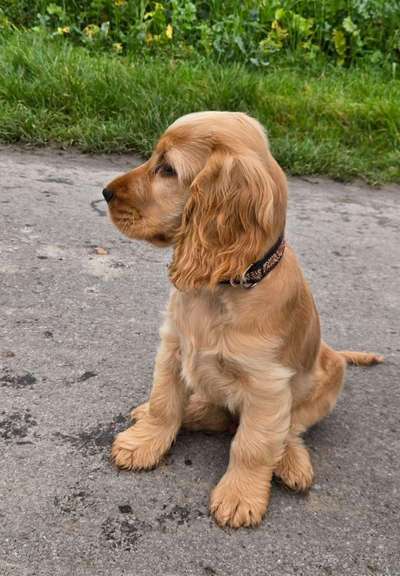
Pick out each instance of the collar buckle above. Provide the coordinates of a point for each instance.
(246, 283)
(258, 270)
(243, 282)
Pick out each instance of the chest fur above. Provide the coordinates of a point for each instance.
(219, 359)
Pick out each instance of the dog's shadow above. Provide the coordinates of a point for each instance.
(206, 452)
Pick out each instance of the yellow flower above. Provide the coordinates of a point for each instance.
(149, 38)
(117, 47)
(91, 30)
(63, 30)
(119, 2)
(169, 32)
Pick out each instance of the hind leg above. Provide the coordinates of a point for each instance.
(199, 415)
(205, 416)
(295, 468)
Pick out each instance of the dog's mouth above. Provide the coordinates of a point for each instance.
(135, 230)
(125, 224)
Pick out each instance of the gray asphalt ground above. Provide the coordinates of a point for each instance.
(79, 331)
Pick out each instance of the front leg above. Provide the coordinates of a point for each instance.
(142, 445)
(242, 495)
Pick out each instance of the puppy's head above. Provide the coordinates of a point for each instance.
(212, 190)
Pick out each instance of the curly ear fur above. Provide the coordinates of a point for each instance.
(235, 211)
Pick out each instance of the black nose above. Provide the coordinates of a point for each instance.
(108, 195)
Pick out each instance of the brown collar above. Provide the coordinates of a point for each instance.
(260, 269)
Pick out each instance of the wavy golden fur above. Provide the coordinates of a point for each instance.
(213, 191)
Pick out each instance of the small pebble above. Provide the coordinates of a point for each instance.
(101, 251)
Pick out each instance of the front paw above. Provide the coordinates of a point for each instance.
(141, 446)
(236, 503)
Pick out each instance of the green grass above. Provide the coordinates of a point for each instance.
(343, 123)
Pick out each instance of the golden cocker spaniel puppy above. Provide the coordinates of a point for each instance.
(241, 339)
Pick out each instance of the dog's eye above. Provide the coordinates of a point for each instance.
(165, 170)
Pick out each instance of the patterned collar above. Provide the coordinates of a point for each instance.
(260, 269)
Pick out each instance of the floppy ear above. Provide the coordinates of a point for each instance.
(227, 221)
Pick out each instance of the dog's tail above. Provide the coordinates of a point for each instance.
(361, 358)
